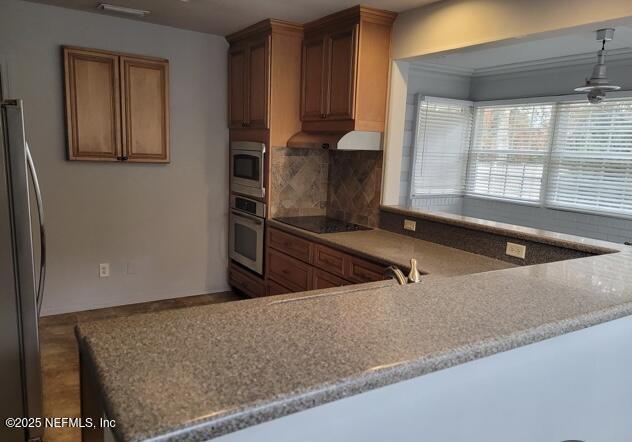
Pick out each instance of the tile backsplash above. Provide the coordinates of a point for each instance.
(341, 184)
(355, 181)
(299, 182)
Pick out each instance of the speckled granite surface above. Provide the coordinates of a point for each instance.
(390, 248)
(200, 372)
(589, 245)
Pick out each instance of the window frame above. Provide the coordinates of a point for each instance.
(419, 99)
(542, 202)
(556, 100)
(545, 153)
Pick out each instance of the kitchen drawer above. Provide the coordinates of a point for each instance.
(324, 280)
(245, 282)
(288, 271)
(274, 288)
(359, 270)
(291, 245)
(330, 260)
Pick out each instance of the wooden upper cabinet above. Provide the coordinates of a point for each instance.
(314, 77)
(92, 105)
(258, 81)
(145, 109)
(355, 47)
(248, 79)
(341, 74)
(236, 87)
(117, 106)
(264, 79)
(328, 76)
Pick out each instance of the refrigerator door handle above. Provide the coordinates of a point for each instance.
(40, 215)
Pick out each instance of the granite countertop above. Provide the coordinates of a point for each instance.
(201, 372)
(564, 240)
(391, 248)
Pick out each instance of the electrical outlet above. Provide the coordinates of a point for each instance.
(516, 250)
(409, 224)
(104, 270)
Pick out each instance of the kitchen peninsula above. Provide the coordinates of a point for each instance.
(389, 361)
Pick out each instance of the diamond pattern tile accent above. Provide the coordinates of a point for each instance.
(355, 180)
(299, 182)
(341, 184)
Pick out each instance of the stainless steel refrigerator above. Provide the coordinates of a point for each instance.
(22, 274)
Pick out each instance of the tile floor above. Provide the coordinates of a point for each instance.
(60, 359)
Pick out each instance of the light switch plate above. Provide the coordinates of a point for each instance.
(409, 224)
(516, 250)
(104, 270)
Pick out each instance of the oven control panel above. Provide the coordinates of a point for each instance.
(248, 205)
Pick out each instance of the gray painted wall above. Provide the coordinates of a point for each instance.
(544, 82)
(162, 228)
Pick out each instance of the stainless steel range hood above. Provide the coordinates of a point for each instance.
(353, 140)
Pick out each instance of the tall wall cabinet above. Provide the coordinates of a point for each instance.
(264, 77)
(117, 106)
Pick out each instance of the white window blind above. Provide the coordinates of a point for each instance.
(509, 150)
(591, 157)
(441, 146)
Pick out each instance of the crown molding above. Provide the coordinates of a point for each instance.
(436, 68)
(265, 26)
(614, 56)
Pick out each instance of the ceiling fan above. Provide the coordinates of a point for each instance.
(597, 85)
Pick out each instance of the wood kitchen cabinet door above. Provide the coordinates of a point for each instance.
(237, 70)
(145, 110)
(257, 83)
(313, 79)
(324, 280)
(341, 63)
(356, 53)
(329, 259)
(92, 105)
(289, 272)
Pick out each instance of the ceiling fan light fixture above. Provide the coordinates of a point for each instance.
(597, 85)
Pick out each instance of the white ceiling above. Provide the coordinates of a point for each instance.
(526, 51)
(223, 17)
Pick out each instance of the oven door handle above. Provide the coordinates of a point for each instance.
(251, 218)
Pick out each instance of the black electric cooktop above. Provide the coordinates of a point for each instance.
(321, 224)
